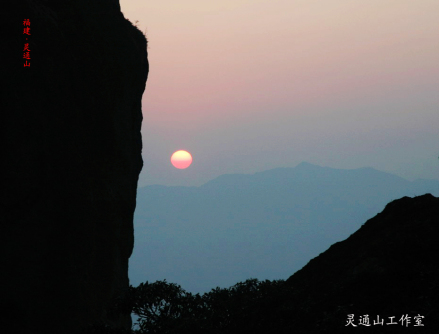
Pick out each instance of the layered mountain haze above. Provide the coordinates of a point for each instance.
(266, 225)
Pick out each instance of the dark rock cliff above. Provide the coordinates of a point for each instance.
(71, 156)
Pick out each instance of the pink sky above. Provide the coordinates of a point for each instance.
(247, 86)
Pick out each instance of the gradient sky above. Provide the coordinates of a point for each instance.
(247, 86)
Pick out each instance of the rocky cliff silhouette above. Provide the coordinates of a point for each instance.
(72, 155)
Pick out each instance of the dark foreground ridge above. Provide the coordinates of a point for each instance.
(72, 155)
(387, 268)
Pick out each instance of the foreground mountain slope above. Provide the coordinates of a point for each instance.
(266, 225)
(387, 268)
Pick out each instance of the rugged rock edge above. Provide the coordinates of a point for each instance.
(72, 155)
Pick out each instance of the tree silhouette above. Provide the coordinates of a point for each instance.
(164, 307)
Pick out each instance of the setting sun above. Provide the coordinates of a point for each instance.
(181, 159)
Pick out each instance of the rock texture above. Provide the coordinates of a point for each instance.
(71, 156)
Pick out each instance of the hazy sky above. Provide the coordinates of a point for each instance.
(247, 86)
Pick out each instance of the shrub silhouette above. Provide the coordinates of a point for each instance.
(166, 308)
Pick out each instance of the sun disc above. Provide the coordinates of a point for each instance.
(181, 159)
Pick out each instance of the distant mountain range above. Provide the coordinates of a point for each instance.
(267, 225)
